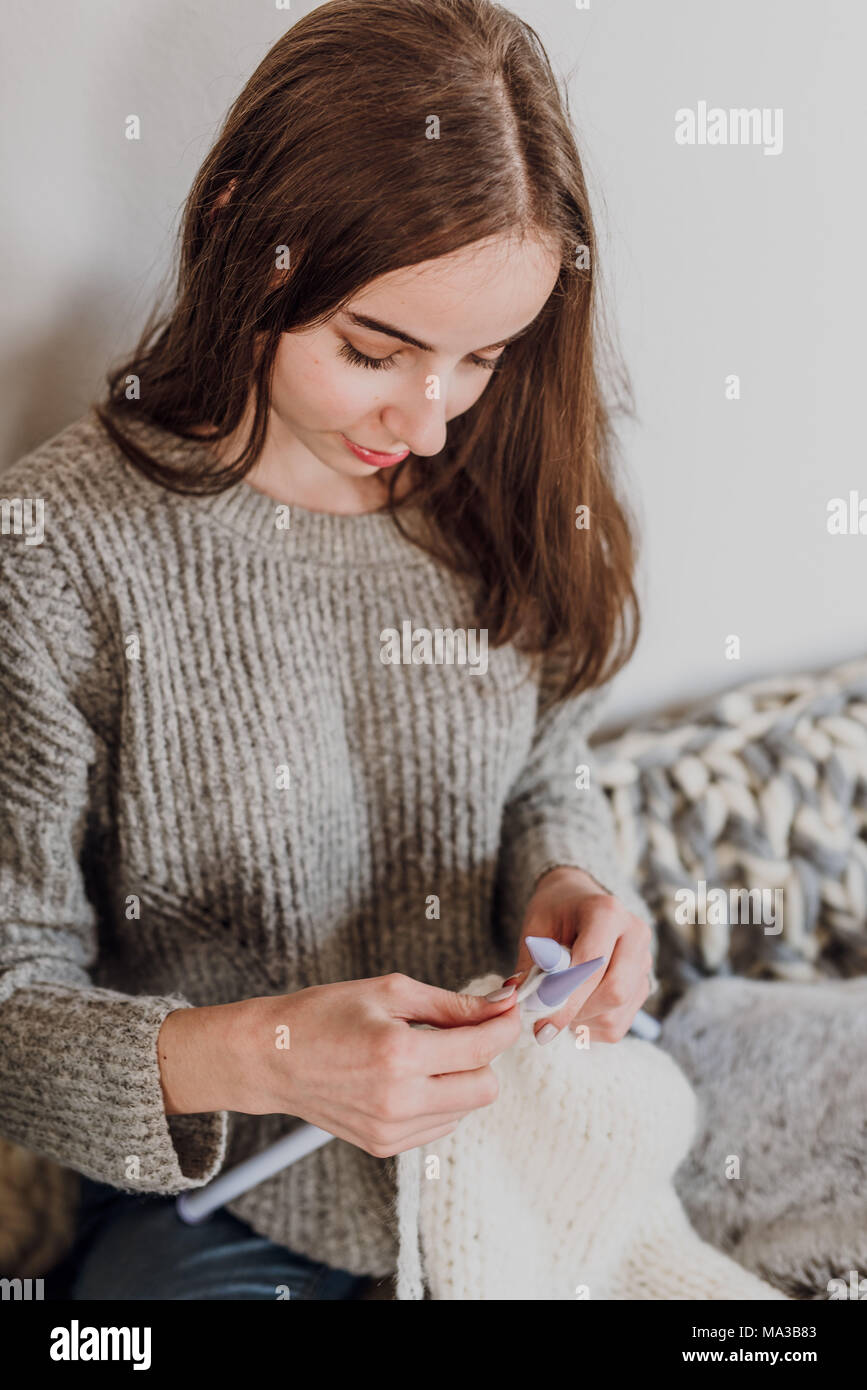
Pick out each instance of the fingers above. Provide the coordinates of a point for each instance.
(452, 1050)
(627, 971)
(415, 1002)
(463, 1091)
(611, 1026)
(423, 1136)
(629, 964)
(448, 1099)
(599, 936)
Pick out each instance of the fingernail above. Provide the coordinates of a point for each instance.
(498, 994)
(545, 1034)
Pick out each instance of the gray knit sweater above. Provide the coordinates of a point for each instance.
(213, 787)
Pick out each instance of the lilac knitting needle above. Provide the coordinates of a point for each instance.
(195, 1206)
(559, 982)
(553, 957)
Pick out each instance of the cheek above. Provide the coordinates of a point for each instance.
(310, 386)
(468, 392)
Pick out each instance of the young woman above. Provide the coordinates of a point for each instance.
(300, 677)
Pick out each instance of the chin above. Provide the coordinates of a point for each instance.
(355, 469)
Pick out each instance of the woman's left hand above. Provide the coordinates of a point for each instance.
(571, 907)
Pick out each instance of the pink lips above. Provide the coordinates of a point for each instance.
(372, 456)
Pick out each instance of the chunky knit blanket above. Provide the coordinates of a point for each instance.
(562, 1188)
(763, 787)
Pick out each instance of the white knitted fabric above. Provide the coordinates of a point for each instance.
(562, 1188)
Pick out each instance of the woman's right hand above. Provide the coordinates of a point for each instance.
(344, 1057)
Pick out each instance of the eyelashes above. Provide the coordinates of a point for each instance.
(381, 364)
(358, 359)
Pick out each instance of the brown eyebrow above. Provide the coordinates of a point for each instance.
(362, 321)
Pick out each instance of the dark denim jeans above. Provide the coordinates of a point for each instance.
(135, 1246)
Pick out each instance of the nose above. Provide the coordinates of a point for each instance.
(419, 422)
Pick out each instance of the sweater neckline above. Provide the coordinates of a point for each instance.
(368, 538)
(331, 538)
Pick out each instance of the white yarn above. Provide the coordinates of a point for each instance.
(409, 1276)
(562, 1188)
(410, 1283)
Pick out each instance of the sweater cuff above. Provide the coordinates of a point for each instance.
(199, 1143)
(80, 1076)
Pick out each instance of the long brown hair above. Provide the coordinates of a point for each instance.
(331, 128)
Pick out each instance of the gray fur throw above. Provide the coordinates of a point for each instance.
(781, 1075)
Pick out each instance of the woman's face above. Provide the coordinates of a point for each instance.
(351, 380)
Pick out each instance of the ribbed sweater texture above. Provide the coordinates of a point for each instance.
(212, 788)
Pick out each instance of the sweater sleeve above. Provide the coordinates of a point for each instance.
(549, 820)
(79, 1073)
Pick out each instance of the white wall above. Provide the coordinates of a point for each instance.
(720, 259)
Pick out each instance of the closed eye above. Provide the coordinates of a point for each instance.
(379, 364)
